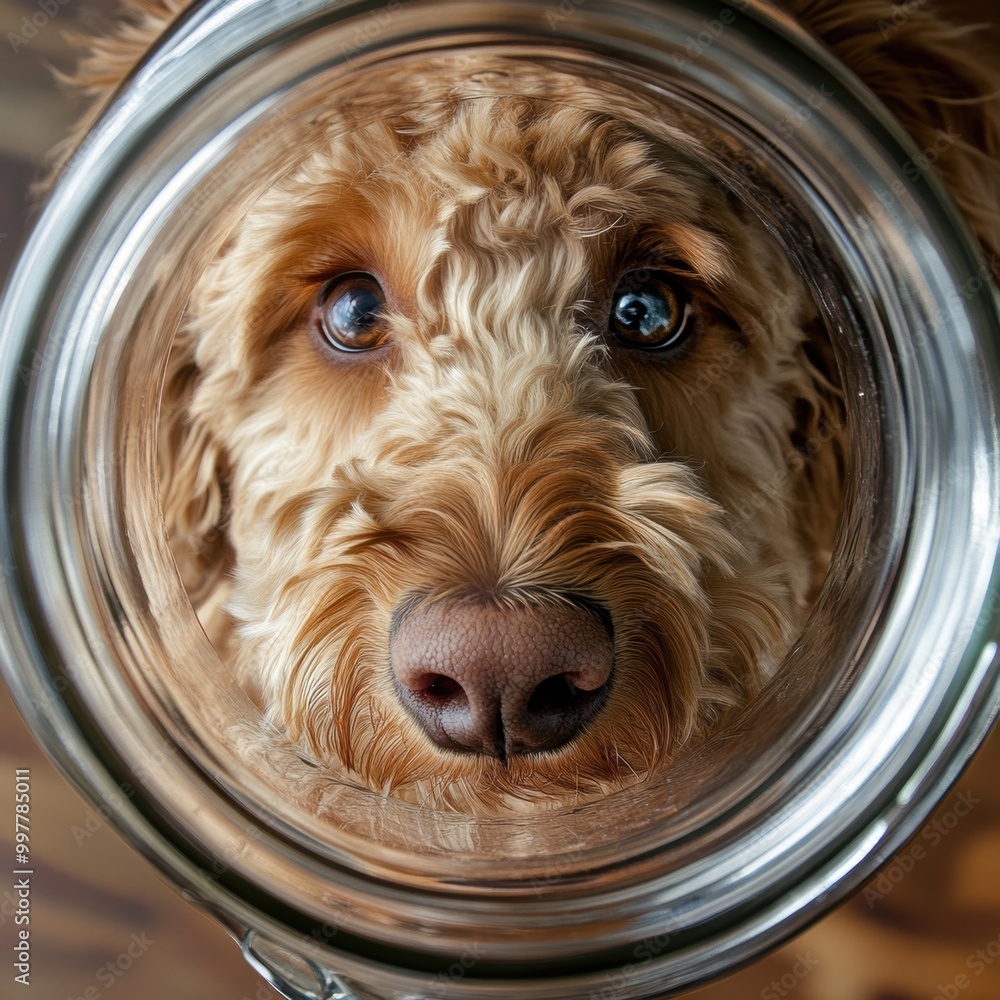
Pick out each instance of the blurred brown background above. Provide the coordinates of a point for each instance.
(105, 925)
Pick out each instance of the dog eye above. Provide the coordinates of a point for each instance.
(649, 311)
(351, 312)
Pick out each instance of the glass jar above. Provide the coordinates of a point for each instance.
(333, 890)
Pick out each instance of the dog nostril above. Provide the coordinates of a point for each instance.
(557, 710)
(556, 694)
(442, 688)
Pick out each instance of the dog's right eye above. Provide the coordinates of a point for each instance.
(649, 311)
(351, 312)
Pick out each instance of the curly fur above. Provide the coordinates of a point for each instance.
(502, 446)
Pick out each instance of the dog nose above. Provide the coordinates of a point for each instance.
(485, 679)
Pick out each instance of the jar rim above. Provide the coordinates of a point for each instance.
(931, 648)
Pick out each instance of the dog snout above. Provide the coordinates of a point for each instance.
(480, 678)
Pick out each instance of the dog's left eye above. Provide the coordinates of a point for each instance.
(649, 311)
(351, 312)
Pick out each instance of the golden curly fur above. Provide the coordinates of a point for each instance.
(498, 449)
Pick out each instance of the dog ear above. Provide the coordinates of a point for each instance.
(108, 58)
(193, 471)
(941, 83)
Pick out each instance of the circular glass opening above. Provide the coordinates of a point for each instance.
(505, 502)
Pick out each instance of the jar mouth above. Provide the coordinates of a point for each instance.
(746, 835)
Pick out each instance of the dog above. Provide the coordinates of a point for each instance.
(502, 449)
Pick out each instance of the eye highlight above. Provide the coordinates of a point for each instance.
(351, 312)
(649, 311)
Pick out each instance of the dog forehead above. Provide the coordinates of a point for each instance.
(511, 177)
(427, 91)
(506, 116)
(517, 143)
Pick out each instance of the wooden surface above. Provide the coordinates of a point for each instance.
(104, 925)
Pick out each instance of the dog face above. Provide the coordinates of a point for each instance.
(525, 474)
(501, 451)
